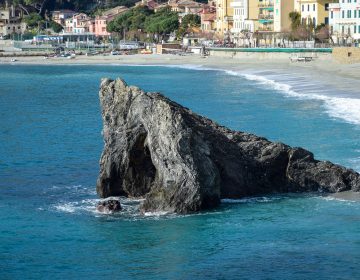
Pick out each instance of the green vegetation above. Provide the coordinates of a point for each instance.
(114, 3)
(57, 28)
(34, 20)
(188, 22)
(141, 19)
(162, 23)
(305, 31)
(132, 20)
(295, 19)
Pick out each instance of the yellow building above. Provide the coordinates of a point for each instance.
(273, 15)
(224, 17)
(313, 11)
(282, 9)
(266, 15)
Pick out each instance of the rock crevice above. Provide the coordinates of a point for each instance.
(182, 162)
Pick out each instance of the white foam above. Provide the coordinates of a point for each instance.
(155, 213)
(346, 109)
(66, 207)
(130, 207)
(260, 199)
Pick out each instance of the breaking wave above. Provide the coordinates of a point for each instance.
(346, 109)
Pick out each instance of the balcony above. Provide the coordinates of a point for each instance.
(266, 16)
(266, 4)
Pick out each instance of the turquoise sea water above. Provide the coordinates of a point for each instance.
(50, 135)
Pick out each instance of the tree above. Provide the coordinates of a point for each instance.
(132, 20)
(295, 19)
(322, 33)
(190, 20)
(34, 20)
(57, 28)
(40, 6)
(162, 22)
(301, 33)
(187, 23)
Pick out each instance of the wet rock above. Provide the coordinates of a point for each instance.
(108, 206)
(182, 162)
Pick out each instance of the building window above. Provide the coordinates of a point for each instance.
(354, 13)
(314, 21)
(308, 7)
(354, 28)
(332, 14)
(302, 8)
(343, 14)
(326, 6)
(314, 7)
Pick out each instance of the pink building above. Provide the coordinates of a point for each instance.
(102, 21)
(101, 24)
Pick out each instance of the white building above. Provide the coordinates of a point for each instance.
(11, 21)
(344, 20)
(78, 23)
(243, 27)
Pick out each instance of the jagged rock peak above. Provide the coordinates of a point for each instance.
(182, 162)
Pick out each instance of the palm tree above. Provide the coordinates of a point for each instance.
(295, 18)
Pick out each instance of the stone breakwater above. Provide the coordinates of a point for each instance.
(182, 162)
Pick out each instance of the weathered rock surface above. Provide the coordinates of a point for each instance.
(182, 162)
(108, 206)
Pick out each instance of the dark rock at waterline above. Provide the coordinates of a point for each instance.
(108, 206)
(182, 162)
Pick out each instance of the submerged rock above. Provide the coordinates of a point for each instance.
(182, 162)
(108, 206)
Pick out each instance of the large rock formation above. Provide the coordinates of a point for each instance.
(182, 162)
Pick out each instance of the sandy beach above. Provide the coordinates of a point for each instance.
(348, 195)
(321, 66)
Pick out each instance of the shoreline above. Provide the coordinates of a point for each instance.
(324, 66)
(336, 85)
(346, 196)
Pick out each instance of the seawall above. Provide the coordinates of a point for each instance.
(346, 55)
(271, 53)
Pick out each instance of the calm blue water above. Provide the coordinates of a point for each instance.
(50, 135)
